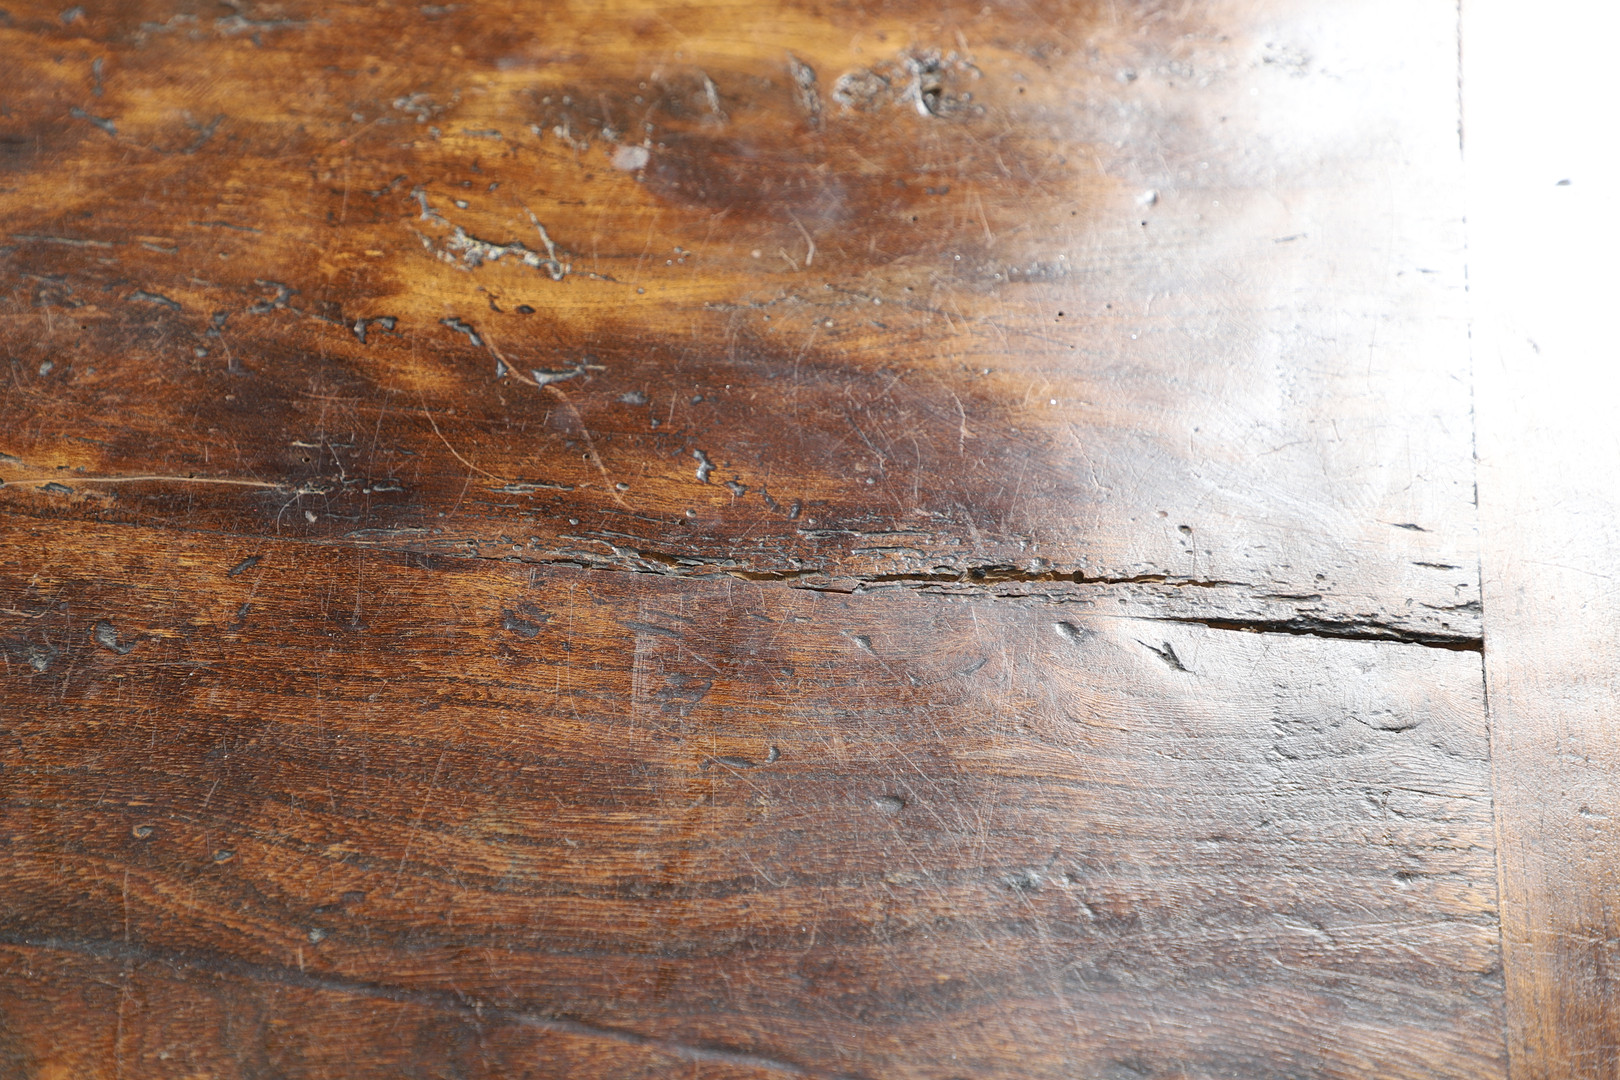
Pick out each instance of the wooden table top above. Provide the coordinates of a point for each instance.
(612, 539)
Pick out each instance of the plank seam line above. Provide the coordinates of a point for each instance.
(1339, 631)
(975, 583)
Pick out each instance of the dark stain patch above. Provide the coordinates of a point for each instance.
(1026, 880)
(681, 692)
(244, 566)
(706, 172)
(99, 121)
(56, 489)
(461, 326)
(1168, 654)
(281, 296)
(526, 622)
(155, 298)
(106, 635)
(204, 133)
(792, 511)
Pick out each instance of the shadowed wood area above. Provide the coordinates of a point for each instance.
(1060, 290)
(740, 540)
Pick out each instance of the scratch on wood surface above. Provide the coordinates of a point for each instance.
(43, 479)
(209, 964)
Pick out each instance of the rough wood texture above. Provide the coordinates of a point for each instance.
(1543, 199)
(1116, 291)
(627, 540)
(724, 823)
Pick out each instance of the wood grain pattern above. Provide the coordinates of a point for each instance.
(732, 824)
(1055, 290)
(614, 539)
(1542, 204)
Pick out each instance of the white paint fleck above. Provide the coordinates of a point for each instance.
(631, 158)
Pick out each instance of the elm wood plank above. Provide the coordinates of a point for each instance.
(269, 785)
(1120, 291)
(185, 1016)
(1541, 215)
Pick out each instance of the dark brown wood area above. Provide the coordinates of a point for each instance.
(729, 823)
(615, 539)
(774, 289)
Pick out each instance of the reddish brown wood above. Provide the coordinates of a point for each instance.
(613, 540)
(1141, 291)
(723, 823)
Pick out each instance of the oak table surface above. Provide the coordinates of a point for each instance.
(1541, 200)
(616, 539)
